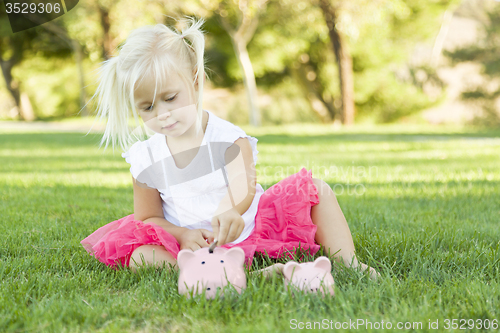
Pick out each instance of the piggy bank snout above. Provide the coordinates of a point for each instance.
(212, 287)
(313, 284)
(205, 272)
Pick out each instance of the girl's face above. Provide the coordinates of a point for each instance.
(172, 106)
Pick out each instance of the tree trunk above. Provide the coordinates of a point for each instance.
(11, 84)
(107, 41)
(240, 37)
(344, 62)
(438, 44)
(249, 81)
(81, 76)
(27, 108)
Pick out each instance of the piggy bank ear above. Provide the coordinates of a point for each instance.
(323, 263)
(183, 257)
(290, 268)
(237, 254)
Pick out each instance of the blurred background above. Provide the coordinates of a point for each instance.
(273, 62)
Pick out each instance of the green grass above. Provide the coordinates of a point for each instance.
(427, 210)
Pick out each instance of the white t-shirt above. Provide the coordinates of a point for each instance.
(191, 195)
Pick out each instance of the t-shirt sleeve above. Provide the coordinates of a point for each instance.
(140, 162)
(236, 133)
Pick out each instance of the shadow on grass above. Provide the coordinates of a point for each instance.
(286, 139)
(48, 140)
(60, 140)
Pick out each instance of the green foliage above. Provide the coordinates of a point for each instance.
(380, 36)
(427, 218)
(286, 105)
(286, 31)
(51, 86)
(391, 99)
(219, 55)
(485, 52)
(387, 33)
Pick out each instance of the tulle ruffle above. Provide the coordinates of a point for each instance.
(282, 223)
(114, 243)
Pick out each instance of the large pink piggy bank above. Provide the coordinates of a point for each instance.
(310, 276)
(202, 270)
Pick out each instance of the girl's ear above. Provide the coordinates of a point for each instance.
(196, 80)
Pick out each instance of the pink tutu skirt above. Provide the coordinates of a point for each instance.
(282, 224)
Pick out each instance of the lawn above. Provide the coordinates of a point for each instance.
(423, 203)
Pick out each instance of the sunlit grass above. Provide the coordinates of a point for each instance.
(422, 203)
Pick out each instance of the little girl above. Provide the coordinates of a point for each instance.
(194, 178)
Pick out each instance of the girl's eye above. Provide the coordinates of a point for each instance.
(168, 100)
(172, 98)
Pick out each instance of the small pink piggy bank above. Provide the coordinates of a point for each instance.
(310, 276)
(202, 270)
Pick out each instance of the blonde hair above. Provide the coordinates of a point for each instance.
(150, 50)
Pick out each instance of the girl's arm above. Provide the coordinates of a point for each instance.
(227, 222)
(148, 209)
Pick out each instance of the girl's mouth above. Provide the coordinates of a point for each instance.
(171, 126)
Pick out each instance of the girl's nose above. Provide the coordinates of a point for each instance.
(163, 113)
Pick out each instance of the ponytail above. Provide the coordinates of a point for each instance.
(112, 105)
(195, 35)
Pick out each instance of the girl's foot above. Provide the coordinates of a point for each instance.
(373, 273)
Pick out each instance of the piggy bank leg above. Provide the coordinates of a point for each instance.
(153, 255)
(273, 270)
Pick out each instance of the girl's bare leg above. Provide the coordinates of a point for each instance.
(153, 255)
(333, 232)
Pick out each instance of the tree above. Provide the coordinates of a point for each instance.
(344, 60)
(487, 94)
(281, 41)
(13, 47)
(246, 13)
(61, 32)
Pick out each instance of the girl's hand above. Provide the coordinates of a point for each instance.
(227, 226)
(194, 239)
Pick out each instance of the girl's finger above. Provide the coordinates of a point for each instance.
(223, 232)
(207, 234)
(232, 233)
(240, 230)
(215, 227)
(195, 247)
(202, 242)
(237, 227)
